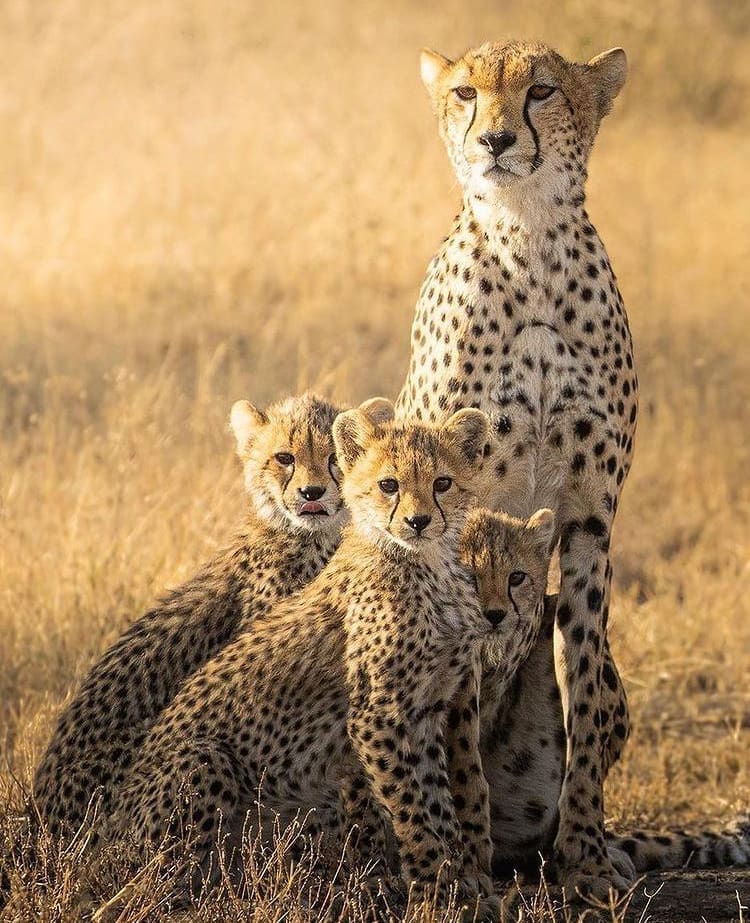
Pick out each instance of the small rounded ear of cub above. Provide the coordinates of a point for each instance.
(542, 526)
(467, 434)
(245, 421)
(354, 430)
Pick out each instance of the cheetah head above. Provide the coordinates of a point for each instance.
(509, 558)
(520, 113)
(409, 483)
(289, 460)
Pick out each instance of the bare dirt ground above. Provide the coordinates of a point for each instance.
(677, 897)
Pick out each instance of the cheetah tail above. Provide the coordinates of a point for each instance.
(675, 850)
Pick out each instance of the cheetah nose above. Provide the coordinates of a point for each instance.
(312, 492)
(495, 616)
(497, 142)
(418, 523)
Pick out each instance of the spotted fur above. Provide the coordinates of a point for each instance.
(343, 690)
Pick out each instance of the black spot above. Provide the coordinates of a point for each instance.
(504, 425)
(594, 599)
(594, 526)
(629, 846)
(579, 463)
(582, 429)
(521, 762)
(609, 676)
(534, 811)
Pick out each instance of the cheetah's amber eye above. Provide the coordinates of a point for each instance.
(516, 578)
(388, 485)
(465, 93)
(540, 91)
(285, 459)
(442, 484)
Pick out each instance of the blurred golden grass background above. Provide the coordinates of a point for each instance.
(210, 199)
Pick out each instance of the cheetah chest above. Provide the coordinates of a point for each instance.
(554, 373)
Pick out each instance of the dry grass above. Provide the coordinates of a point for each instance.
(212, 199)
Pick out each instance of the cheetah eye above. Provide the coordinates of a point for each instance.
(442, 484)
(388, 485)
(516, 578)
(465, 93)
(285, 459)
(540, 91)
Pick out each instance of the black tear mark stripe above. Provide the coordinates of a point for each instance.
(537, 159)
(437, 504)
(331, 463)
(468, 129)
(510, 596)
(393, 511)
(288, 481)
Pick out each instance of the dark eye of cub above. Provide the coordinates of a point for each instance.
(284, 458)
(442, 484)
(388, 485)
(516, 578)
(465, 92)
(540, 91)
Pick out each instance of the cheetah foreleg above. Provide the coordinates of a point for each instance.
(468, 783)
(580, 849)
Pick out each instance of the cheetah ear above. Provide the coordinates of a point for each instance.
(467, 433)
(245, 421)
(431, 66)
(607, 73)
(378, 409)
(353, 431)
(542, 527)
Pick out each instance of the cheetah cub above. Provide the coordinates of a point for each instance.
(291, 531)
(342, 690)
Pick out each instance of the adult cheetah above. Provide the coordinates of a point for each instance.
(351, 688)
(520, 316)
(291, 531)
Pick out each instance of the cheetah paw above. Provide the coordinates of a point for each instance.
(596, 885)
(483, 909)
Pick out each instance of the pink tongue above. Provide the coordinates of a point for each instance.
(312, 506)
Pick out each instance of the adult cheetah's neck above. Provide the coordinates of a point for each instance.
(526, 233)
